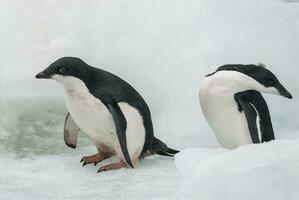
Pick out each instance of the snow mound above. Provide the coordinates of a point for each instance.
(263, 171)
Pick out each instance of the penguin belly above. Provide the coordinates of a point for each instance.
(221, 111)
(96, 121)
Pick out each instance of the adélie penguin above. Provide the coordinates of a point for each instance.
(232, 104)
(109, 110)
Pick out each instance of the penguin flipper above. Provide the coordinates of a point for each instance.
(250, 114)
(71, 131)
(258, 101)
(121, 126)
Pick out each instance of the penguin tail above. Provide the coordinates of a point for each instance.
(160, 148)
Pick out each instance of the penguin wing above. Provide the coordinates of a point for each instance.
(250, 113)
(71, 131)
(253, 104)
(121, 126)
(261, 107)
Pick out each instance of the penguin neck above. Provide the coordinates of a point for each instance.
(73, 87)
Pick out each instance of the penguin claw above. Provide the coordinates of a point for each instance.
(102, 169)
(113, 166)
(94, 159)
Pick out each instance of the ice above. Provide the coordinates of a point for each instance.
(164, 49)
(62, 177)
(263, 171)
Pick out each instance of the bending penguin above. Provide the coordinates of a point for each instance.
(232, 104)
(109, 110)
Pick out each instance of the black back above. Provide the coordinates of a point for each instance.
(112, 89)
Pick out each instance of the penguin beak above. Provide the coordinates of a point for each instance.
(42, 75)
(283, 92)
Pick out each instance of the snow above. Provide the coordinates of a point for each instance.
(62, 177)
(263, 171)
(163, 48)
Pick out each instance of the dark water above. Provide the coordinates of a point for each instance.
(33, 126)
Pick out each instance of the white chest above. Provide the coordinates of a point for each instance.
(221, 111)
(94, 118)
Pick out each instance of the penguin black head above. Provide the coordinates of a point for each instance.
(264, 79)
(63, 67)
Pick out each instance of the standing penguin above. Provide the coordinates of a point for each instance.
(231, 102)
(109, 110)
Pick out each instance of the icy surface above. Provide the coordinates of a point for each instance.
(62, 177)
(163, 48)
(36, 164)
(264, 171)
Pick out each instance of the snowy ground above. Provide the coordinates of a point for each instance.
(36, 164)
(62, 177)
(163, 48)
(264, 171)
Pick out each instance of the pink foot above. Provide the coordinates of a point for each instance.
(113, 166)
(94, 158)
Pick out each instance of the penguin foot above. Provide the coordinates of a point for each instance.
(113, 166)
(94, 158)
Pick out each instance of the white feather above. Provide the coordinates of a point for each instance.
(258, 123)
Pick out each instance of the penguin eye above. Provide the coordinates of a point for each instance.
(61, 70)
